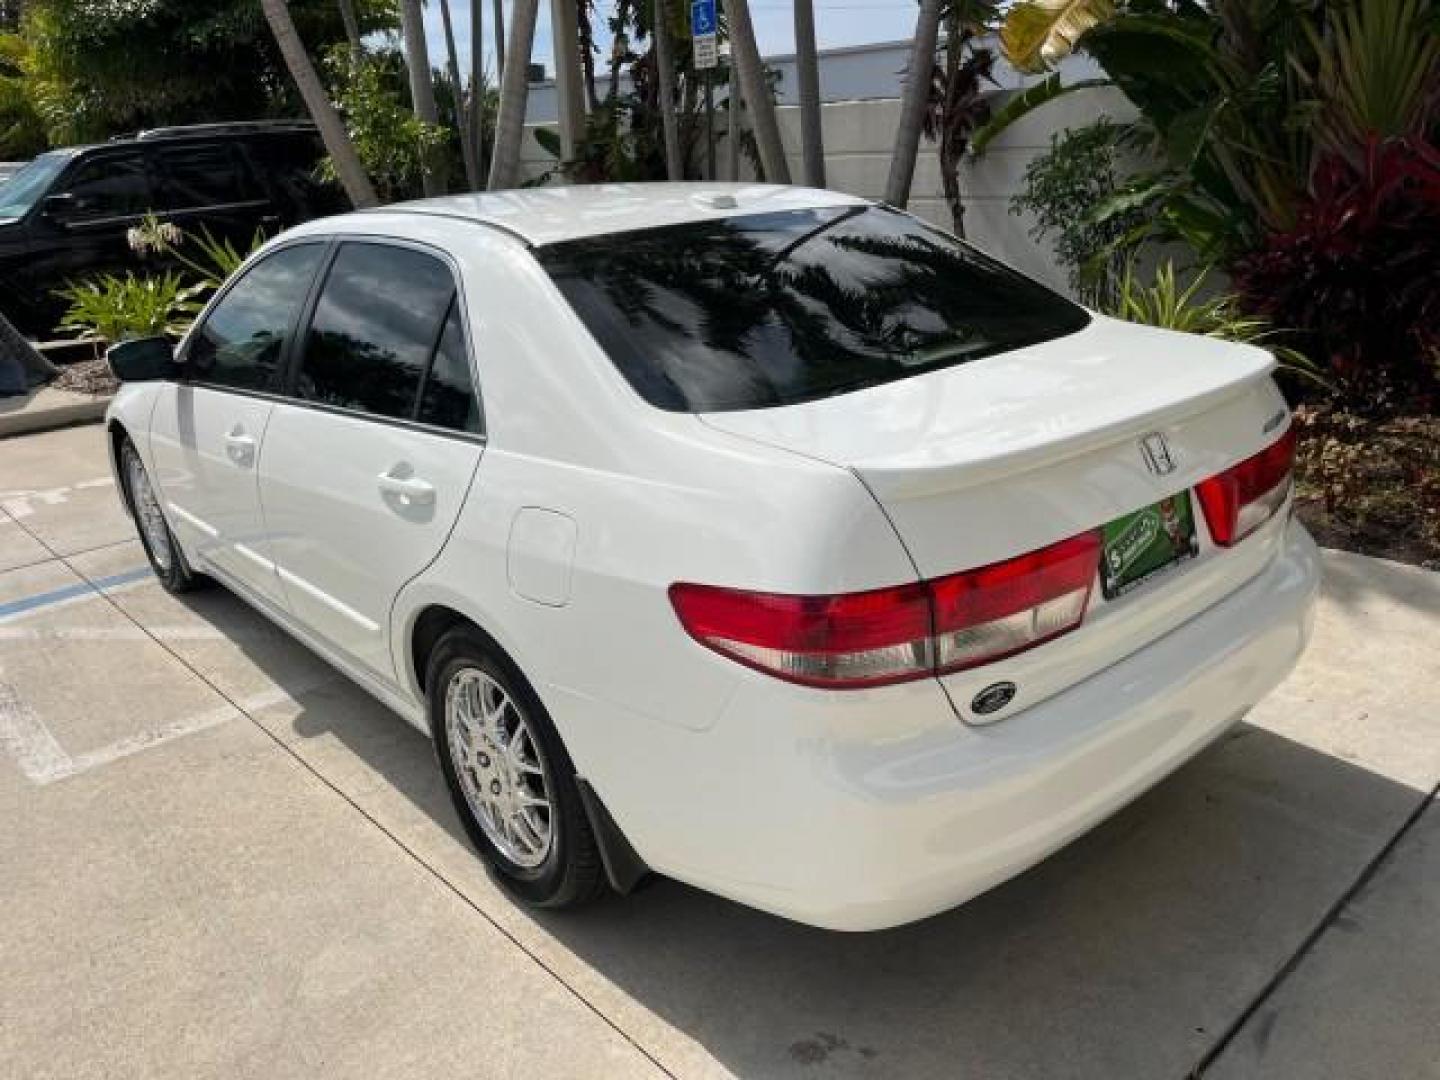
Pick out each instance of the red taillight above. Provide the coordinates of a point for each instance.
(853, 639)
(1245, 496)
(983, 615)
(889, 635)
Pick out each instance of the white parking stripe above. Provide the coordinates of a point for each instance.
(28, 740)
(44, 761)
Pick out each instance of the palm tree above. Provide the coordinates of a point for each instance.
(462, 124)
(807, 65)
(912, 104)
(352, 26)
(337, 141)
(514, 91)
(499, 40)
(755, 89)
(674, 169)
(476, 134)
(422, 90)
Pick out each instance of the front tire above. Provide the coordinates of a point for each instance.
(161, 548)
(509, 775)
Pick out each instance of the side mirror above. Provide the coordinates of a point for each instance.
(142, 360)
(60, 208)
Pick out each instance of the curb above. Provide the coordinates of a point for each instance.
(47, 409)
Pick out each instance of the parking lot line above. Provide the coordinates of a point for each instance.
(71, 592)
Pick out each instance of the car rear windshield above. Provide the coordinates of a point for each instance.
(773, 309)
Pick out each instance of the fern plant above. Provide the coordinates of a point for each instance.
(1164, 302)
(112, 308)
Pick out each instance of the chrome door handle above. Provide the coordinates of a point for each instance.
(410, 490)
(240, 447)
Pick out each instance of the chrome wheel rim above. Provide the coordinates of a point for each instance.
(147, 510)
(500, 767)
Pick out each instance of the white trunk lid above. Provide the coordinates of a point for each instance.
(984, 461)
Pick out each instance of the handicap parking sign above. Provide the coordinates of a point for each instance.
(702, 18)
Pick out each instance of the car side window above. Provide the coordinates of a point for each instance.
(203, 174)
(377, 325)
(447, 398)
(240, 343)
(108, 186)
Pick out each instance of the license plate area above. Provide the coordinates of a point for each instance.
(1146, 543)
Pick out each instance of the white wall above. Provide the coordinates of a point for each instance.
(859, 137)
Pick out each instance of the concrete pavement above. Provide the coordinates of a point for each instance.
(222, 859)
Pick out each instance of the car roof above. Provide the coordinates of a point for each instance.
(549, 215)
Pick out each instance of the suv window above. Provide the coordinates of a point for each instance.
(240, 342)
(375, 329)
(203, 174)
(108, 186)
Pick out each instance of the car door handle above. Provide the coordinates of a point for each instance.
(410, 490)
(240, 447)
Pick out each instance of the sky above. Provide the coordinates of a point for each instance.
(837, 23)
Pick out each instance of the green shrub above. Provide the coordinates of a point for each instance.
(1164, 302)
(114, 308)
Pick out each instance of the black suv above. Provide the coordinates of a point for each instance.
(64, 216)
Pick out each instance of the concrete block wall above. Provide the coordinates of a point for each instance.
(859, 137)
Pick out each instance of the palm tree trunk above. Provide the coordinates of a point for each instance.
(755, 89)
(352, 26)
(337, 140)
(565, 37)
(462, 124)
(476, 134)
(912, 104)
(422, 90)
(807, 65)
(514, 91)
(674, 169)
(499, 40)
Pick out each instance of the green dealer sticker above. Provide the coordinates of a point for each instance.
(1140, 545)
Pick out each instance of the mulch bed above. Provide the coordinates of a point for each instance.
(86, 377)
(1371, 486)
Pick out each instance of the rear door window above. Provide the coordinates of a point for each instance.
(241, 341)
(203, 174)
(380, 322)
(772, 309)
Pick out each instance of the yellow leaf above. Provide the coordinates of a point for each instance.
(1038, 33)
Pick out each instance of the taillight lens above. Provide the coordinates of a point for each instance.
(883, 636)
(851, 640)
(996, 611)
(1245, 496)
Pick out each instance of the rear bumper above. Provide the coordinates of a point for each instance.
(863, 811)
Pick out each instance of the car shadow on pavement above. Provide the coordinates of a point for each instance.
(1126, 954)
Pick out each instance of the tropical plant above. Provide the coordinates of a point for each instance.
(344, 162)
(756, 91)
(214, 260)
(112, 308)
(100, 68)
(389, 141)
(807, 69)
(1062, 188)
(1358, 275)
(422, 95)
(1038, 33)
(913, 100)
(514, 92)
(22, 130)
(957, 105)
(1164, 301)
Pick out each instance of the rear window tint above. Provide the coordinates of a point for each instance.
(774, 309)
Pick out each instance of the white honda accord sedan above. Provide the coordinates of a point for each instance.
(762, 537)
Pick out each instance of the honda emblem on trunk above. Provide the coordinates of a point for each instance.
(1156, 452)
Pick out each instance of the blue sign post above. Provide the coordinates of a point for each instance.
(703, 26)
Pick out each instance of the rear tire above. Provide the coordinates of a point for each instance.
(161, 547)
(509, 775)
